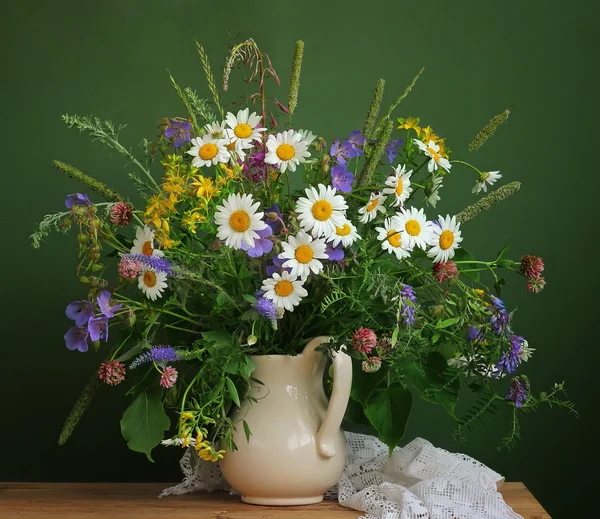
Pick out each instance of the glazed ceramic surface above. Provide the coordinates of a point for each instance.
(297, 449)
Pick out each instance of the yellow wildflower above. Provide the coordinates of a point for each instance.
(410, 123)
(191, 219)
(186, 440)
(429, 135)
(187, 415)
(166, 242)
(479, 292)
(210, 454)
(204, 187)
(272, 173)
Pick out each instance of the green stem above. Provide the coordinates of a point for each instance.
(466, 164)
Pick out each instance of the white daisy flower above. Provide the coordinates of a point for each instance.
(238, 221)
(345, 234)
(434, 196)
(445, 239)
(303, 254)
(307, 136)
(431, 150)
(152, 284)
(208, 151)
(286, 150)
(144, 243)
(489, 177)
(285, 290)
(321, 211)
(374, 206)
(243, 128)
(216, 130)
(416, 230)
(391, 239)
(399, 185)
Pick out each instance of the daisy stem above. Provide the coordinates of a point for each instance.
(466, 164)
(476, 262)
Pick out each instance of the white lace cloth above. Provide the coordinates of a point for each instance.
(419, 481)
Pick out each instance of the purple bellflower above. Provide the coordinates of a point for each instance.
(341, 179)
(76, 338)
(178, 132)
(76, 199)
(98, 328)
(104, 304)
(262, 245)
(80, 312)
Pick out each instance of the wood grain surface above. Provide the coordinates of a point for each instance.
(139, 500)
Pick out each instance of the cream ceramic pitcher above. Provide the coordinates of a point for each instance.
(297, 449)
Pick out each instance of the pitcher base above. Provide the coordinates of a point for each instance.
(282, 501)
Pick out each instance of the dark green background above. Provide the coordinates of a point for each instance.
(109, 58)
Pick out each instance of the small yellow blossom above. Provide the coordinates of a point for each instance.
(410, 123)
(186, 440)
(186, 415)
(204, 187)
(191, 219)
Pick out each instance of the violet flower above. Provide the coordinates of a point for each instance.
(500, 318)
(178, 132)
(334, 253)
(262, 245)
(343, 152)
(277, 266)
(76, 338)
(80, 312)
(76, 199)
(510, 360)
(266, 308)
(104, 304)
(273, 218)
(357, 140)
(154, 263)
(255, 167)
(407, 293)
(341, 179)
(519, 391)
(391, 150)
(156, 354)
(98, 328)
(474, 334)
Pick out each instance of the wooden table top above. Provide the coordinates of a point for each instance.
(139, 500)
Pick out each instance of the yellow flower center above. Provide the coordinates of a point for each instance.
(399, 187)
(393, 237)
(239, 221)
(147, 248)
(446, 240)
(372, 204)
(413, 228)
(208, 151)
(434, 154)
(322, 210)
(149, 278)
(304, 254)
(284, 288)
(242, 131)
(286, 151)
(343, 231)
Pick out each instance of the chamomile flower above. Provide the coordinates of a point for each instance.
(216, 130)
(243, 128)
(488, 177)
(415, 228)
(433, 191)
(432, 150)
(345, 234)
(238, 221)
(302, 254)
(374, 206)
(152, 284)
(144, 243)
(307, 136)
(286, 150)
(208, 151)
(399, 185)
(285, 290)
(321, 211)
(445, 239)
(391, 238)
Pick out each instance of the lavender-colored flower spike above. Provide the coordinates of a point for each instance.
(156, 354)
(76, 338)
(80, 312)
(266, 308)
(519, 391)
(76, 199)
(104, 303)
(510, 360)
(98, 328)
(408, 311)
(152, 262)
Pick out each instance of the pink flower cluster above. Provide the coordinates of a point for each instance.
(112, 372)
(121, 214)
(129, 268)
(445, 270)
(532, 268)
(364, 340)
(371, 365)
(168, 377)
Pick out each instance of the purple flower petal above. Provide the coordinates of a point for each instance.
(341, 179)
(76, 199)
(104, 303)
(98, 328)
(76, 338)
(80, 312)
(391, 150)
(334, 254)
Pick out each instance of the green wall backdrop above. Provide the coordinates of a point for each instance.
(110, 58)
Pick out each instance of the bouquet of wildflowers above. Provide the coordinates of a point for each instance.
(254, 236)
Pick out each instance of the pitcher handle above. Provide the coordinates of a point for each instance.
(342, 383)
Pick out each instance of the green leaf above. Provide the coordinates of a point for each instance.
(221, 298)
(395, 336)
(144, 422)
(134, 351)
(446, 322)
(445, 384)
(506, 263)
(250, 299)
(217, 338)
(503, 252)
(247, 367)
(436, 337)
(247, 430)
(464, 255)
(500, 282)
(356, 415)
(416, 375)
(388, 411)
(233, 392)
(363, 384)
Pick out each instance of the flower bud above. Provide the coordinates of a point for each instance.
(252, 340)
